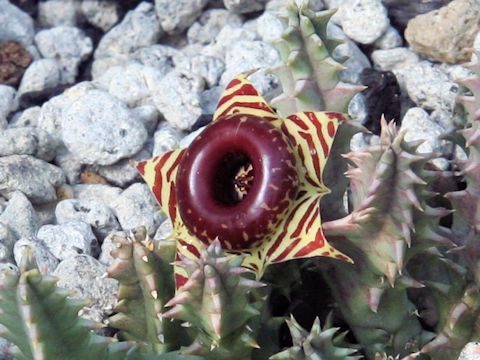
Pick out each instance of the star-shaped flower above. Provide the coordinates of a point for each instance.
(251, 179)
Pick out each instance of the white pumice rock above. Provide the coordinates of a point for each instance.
(244, 56)
(132, 83)
(20, 216)
(148, 115)
(66, 44)
(229, 36)
(361, 141)
(356, 59)
(15, 24)
(25, 118)
(124, 173)
(244, 6)
(357, 108)
(46, 261)
(27, 141)
(162, 58)
(210, 98)
(269, 27)
(470, 351)
(176, 16)
(135, 207)
(72, 167)
(59, 12)
(8, 103)
(99, 129)
(210, 68)
(104, 14)
(364, 20)
(7, 241)
(36, 178)
(68, 239)
(391, 39)
(140, 27)
(210, 23)
(84, 275)
(392, 59)
(95, 213)
(51, 112)
(97, 192)
(420, 126)
(41, 75)
(428, 86)
(180, 105)
(166, 138)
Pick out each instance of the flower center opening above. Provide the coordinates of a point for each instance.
(233, 178)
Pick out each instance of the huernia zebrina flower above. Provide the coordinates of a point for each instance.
(251, 179)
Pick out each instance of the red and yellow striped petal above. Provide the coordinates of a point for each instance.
(240, 96)
(159, 173)
(312, 134)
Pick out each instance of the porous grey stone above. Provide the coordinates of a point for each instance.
(356, 59)
(28, 117)
(66, 44)
(148, 115)
(20, 216)
(27, 141)
(243, 56)
(99, 129)
(68, 239)
(51, 112)
(71, 166)
(124, 172)
(101, 13)
(59, 12)
(98, 215)
(390, 39)
(84, 275)
(420, 126)
(180, 105)
(46, 212)
(176, 16)
(41, 75)
(46, 261)
(97, 192)
(132, 83)
(187, 140)
(361, 141)
(244, 6)
(140, 27)
(210, 98)
(229, 36)
(166, 138)
(108, 246)
(364, 20)
(7, 103)
(357, 108)
(15, 24)
(470, 351)
(427, 86)
(164, 231)
(446, 34)
(7, 241)
(392, 59)
(162, 58)
(210, 68)
(36, 178)
(269, 27)
(135, 207)
(206, 28)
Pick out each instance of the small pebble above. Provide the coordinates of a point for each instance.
(20, 216)
(15, 24)
(104, 14)
(364, 21)
(14, 60)
(176, 16)
(46, 262)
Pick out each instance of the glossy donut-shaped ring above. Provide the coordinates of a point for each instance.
(236, 181)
